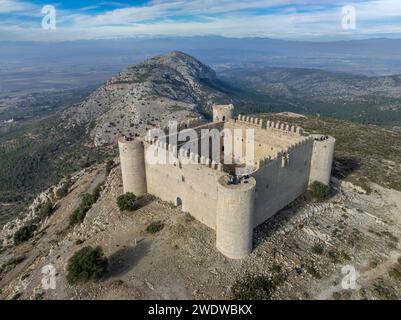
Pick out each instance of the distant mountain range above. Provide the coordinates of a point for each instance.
(147, 93)
(72, 63)
(34, 73)
(373, 100)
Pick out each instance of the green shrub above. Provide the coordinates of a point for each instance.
(395, 272)
(126, 202)
(155, 227)
(318, 248)
(63, 191)
(24, 233)
(87, 163)
(45, 210)
(96, 193)
(78, 216)
(345, 256)
(88, 200)
(86, 264)
(276, 268)
(319, 191)
(254, 288)
(383, 292)
(10, 264)
(109, 166)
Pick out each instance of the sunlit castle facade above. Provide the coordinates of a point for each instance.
(231, 174)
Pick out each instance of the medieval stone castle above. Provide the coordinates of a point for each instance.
(231, 197)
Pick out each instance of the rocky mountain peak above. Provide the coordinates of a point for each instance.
(168, 87)
(186, 65)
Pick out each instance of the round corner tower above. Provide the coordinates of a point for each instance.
(322, 158)
(223, 113)
(234, 217)
(132, 159)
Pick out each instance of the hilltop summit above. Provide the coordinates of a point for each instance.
(187, 65)
(163, 88)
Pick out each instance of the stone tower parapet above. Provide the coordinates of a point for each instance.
(132, 158)
(322, 158)
(222, 113)
(234, 217)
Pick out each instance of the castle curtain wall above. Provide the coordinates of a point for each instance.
(277, 186)
(194, 184)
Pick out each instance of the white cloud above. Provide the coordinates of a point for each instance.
(10, 6)
(223, 17)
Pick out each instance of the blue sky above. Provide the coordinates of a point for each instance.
(282, 19)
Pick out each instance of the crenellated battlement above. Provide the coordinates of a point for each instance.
(269, 124)
(264, 162)
(284, 155)
(250, 120)
(284, 127)
(186, 124)
(180, 156)
(190, 123)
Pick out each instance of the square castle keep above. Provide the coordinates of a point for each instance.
(284, 162)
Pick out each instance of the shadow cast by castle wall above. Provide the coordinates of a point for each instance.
(125, 259)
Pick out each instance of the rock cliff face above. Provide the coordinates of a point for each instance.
(168, 87)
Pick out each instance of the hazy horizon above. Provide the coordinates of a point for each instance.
(38, 20)
(157, 37)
